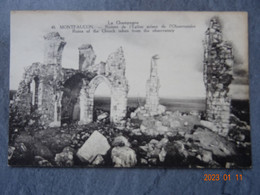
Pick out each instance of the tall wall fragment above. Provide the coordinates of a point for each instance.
(115, 72)
(51, 79)
(218, 67)
(86, 57)
(39, 92)
(53, 49)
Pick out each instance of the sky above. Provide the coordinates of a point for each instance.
(181, 52)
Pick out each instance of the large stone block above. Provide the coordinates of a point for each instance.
(95, 145)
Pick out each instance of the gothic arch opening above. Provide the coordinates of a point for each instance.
(102, 102)
(87, 100)
(70, 102)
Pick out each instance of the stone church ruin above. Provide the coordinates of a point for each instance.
(56, 93)
(57, 118)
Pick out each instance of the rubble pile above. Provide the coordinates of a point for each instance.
(170, 139)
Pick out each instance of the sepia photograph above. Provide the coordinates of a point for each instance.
(129, 89)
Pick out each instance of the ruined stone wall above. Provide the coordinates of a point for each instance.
(52, 82)
(46, 90)
(218, 63)
(47, 79)
(113, 73)
(23, 98)
(52, 78)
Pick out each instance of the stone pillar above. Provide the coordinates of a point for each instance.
(86, 57)
(218, 66)
(54, 45)
(152, 89)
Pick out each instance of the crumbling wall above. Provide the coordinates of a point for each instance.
(51, 82)
(115, 72)
(47, 79)
(52, 79)
(218, 63)
(22, 105)
(46, 91)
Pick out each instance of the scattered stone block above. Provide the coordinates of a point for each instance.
(209, 125)
(206, 156)
(102, 116)
(96, 144)
(42, 162)
(144, 161)
(162, 155)
(65, 158)
(120, 141)
(123, 157)
(99, 160)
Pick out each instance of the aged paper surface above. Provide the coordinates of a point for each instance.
(129, 89)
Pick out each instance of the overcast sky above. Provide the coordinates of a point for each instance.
(181, 52)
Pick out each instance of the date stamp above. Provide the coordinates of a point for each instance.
(225, 177)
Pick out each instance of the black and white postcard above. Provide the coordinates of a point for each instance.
(129, 89)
